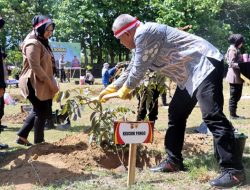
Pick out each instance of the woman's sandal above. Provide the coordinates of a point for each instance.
(21, 142)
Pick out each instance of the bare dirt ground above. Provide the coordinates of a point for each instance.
(17, 118)
(71, 156)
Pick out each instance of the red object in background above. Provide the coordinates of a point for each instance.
(245, 57)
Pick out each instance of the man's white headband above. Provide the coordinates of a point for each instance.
(126, 28)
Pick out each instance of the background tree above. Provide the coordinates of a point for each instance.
(89, 22)
(202, 15)
(18, 15)
(236, 13)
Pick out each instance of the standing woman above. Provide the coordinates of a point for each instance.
(233, 57)
(36, 80)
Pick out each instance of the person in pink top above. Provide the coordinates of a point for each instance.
(75, 62)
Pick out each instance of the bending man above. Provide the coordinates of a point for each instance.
(197, 68)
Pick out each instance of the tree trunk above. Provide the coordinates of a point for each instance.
(84, 51)
(99, 58)
(91, 51)
(120, 54)
(91, 55)
(127, 55)
(112, 56)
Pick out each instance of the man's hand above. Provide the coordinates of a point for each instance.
(109, 96)
(108, 90)
(1, 92)
(124, 93)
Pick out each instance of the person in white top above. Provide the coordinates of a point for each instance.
(61, 68)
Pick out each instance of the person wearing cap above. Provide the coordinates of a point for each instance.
(36, 81)
(196, 66)
(107, 74)
(233, 57)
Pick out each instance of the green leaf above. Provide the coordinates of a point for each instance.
(66, 94)
(74, 117)
(78, 112)
(65, 109)
(92, 115)
(58, 96)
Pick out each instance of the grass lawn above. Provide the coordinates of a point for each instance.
(199, 167)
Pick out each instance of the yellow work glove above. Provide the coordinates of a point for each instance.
(124, 92)
(108, 90)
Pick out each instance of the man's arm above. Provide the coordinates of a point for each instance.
(146, 52)
(147, 48)
(120, 81)
(117, 84)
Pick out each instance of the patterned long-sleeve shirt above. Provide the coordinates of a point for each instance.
(181, 56)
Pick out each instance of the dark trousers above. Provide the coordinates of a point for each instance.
(36, 118)
(164, 98)
(153, 107)
(62, 75)
(235, 95)
(49, 123)
(1, 108)
(210, 98)
(90, 82)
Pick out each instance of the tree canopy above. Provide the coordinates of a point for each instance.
(89, 22)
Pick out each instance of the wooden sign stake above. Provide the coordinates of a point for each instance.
(132, 133)
(131, 164)
(132, 146)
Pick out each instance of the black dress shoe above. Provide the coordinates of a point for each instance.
(21, 142)
(2, 154)
(229, 179)
(42, 142)
(3, 126)
(3, 146)
(167, 166)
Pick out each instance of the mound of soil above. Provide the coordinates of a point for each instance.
(17, 118)
(72, 156)
(197, 144)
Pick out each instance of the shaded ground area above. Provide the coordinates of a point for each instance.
(70, 157)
